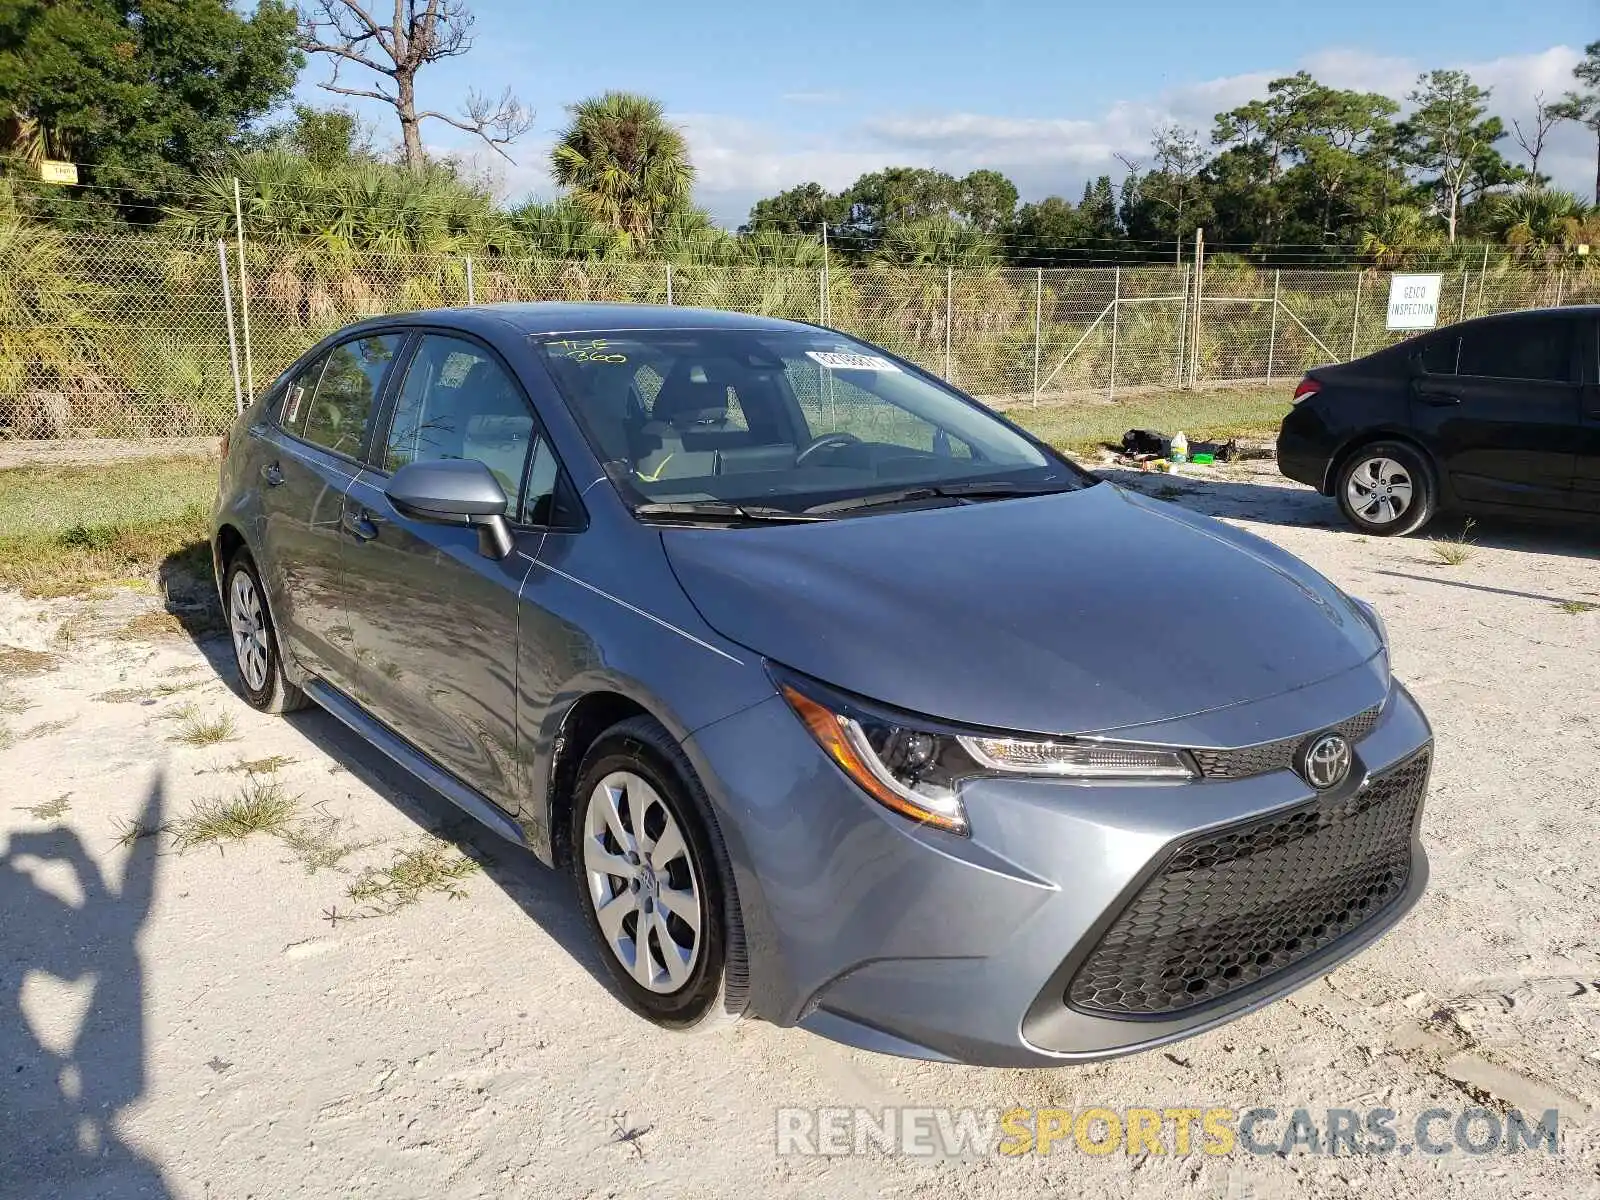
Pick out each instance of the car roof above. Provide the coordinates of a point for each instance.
(539, 319)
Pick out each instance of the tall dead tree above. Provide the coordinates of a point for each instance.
(1532, 139)
(421, 32)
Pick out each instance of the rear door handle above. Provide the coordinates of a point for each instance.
(273, 474)
(1440, 399)
(358, 524)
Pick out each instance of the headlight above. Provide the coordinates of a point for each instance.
(917, 766)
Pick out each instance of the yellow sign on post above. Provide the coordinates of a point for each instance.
(52, 171)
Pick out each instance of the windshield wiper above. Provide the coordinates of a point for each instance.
(716, 511)
(970, 490)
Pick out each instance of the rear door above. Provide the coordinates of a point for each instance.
(435, 620)
(307, 460)
(1498, 401)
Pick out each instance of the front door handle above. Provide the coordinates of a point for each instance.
(1440, 399)
(273, 474)
(358, 524)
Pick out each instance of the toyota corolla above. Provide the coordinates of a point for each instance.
(846, 703)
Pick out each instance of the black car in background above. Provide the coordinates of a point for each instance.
(1496, 415)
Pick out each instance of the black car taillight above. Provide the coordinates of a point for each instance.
(1306, 387)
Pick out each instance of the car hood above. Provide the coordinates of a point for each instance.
(1071, 613)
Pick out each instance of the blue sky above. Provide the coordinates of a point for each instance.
(772, 95)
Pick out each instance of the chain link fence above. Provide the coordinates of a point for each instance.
(130, 336)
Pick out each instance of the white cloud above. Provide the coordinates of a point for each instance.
(741, 160)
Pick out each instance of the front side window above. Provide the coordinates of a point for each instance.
(1517, 349)
(337, 414)
(782, 418)
(458, 402)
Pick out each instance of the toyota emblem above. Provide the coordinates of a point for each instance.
(1325, 761)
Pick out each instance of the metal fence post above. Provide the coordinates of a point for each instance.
(1482, 273)
(1038, 320)
(227, 308)
(1183, 330)
(1116, 310)
(949, 313)
(1561, 285)
(244, 292)
(1355, 317)
(1272, 338)
(1199, 295)
(822, 296)
(472, 289)
(669, 284)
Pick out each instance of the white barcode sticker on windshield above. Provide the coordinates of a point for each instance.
(835, 361)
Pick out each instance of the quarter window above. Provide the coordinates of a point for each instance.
(347, 391)
(297, 395)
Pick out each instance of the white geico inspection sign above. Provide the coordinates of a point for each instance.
(1414, 301)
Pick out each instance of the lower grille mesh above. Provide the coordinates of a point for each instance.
(1234, 907)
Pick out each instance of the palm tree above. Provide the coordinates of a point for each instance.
(624, 164)
(1398, 232)
(1538, 223)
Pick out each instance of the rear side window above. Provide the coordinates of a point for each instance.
(1439, 355)
(1521, 349)
(347, 392)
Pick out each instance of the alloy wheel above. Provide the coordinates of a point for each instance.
(1379, 490)
(248, 622)
(642, 882)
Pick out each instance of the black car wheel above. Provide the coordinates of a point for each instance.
(653, 880)
(255, 640)
(1387, 488)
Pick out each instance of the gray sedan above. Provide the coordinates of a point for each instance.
(846, 703)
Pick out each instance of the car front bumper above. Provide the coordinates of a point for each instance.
(867, 929)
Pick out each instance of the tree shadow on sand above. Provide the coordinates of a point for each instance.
(71, 939)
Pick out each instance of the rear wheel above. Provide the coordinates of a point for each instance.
(255, 640)
(653, 876)
(1387, 489)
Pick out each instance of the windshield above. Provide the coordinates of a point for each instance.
(780, 419)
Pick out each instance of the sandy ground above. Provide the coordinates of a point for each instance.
(205, 1023)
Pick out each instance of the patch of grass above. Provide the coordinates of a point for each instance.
(1454, 551)
(197, 729)
(202, 621)
(129, 832)
(269, 765)
(16, 662)
(1212, 414)
(54, 500)
(1576, 608)
(261, 805)
(434, 866)
(47, 810)
(13, 703)
(159, 692)
(44, 729)
(319, 847)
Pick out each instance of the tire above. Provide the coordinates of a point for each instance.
(649, 783)
(1387, 489)
(255, 640)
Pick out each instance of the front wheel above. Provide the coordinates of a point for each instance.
(654, 881)
(1387, 489)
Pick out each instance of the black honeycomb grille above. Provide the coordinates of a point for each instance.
(1274, 756)
(1232, 908)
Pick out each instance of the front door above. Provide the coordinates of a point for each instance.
(435, 619)
(1498, 401)
(307, 460)
(1586, 434)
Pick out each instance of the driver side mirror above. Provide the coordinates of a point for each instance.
(454, 492)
